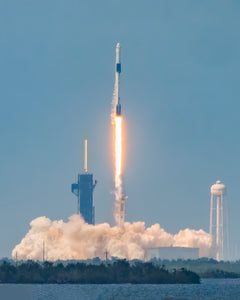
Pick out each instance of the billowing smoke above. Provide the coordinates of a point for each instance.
(76, 239)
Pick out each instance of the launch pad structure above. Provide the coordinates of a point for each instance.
(83, 189)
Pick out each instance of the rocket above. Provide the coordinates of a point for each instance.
(118, 71)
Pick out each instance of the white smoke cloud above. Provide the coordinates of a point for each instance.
(76, 239)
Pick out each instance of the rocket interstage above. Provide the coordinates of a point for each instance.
(118, 109)
(117, 121)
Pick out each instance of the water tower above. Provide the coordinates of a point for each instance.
(218, 191)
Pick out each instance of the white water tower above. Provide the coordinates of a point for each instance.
(218, 191)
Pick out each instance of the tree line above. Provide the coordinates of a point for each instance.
(204, 267)
(120, 271)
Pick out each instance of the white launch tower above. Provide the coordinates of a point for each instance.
(218, 191)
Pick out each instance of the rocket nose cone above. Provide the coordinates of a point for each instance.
(118, 45)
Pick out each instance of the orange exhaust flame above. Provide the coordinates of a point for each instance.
(118, 160)
(118, 151)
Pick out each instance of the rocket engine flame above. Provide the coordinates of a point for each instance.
(118, 152)
(119, 212)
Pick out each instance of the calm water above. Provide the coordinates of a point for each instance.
(209, 289)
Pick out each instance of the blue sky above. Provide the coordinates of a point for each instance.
(180, 100)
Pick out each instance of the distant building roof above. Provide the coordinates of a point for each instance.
(171, 253)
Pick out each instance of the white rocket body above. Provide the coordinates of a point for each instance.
(118, 71)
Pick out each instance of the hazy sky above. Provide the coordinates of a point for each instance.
(180, 92)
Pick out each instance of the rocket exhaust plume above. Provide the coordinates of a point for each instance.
(76, 239)
(117, 121)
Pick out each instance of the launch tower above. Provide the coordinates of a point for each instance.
(83, 189)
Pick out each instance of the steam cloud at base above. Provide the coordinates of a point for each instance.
(76, 239)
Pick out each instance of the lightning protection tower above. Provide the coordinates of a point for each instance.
(218, 192)
(83, 189)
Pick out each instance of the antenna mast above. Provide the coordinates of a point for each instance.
(85, 157)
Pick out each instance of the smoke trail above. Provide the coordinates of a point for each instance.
(119, 211)
(76, 239)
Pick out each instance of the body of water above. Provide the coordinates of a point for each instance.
(208, 289)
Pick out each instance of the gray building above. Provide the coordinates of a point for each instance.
(171, 253)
